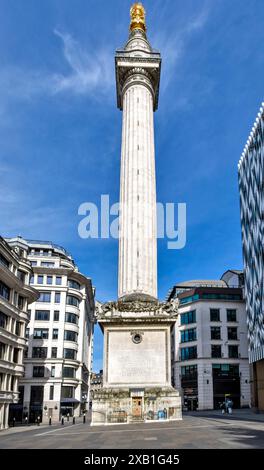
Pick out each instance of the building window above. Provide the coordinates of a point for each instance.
(38, 371)
(70, 336)
(51, 392)
(189, 372)
(71, 300)
(233, 351)
(58, 281)
(55, 333)
(4, 291)
(216, 350)
(69, 354)
(4, 261)
(67, 392)
(40, 279)
(21, 301)
(42, 315)
(33, 263)
(47, 264)
(71, 318)
(231, 314)
(44, 297)
(215, 332)
(27, 333)
(57, 297)
(73, 284)
(52, 371)
(188, 317)
(214, 314)
(192, 298)
(3, 320)
(31, 280)
(188, 335)
(188, 353)
(18, 328)
(39, 353)
(49, 279)
(68, 372)
(16, 355)
(56, 315)
(53, 353)
(36, 395)
(232, 332)
(41, 333)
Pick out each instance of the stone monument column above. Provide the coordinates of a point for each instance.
(137, 75)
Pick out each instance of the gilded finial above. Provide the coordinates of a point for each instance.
(138, 17)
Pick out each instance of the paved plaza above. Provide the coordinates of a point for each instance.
(204, 430)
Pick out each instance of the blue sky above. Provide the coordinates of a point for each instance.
(60, 130)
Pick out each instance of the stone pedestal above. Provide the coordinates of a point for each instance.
(137, 363)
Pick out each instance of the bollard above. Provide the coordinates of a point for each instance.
(68, 417)
(26, 420)
(73, 420)
(14, 422)
(84, 419)
(50, 420)
(38, 420)
(62, 420)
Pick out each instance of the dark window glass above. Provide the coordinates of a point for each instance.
(71, 300)
(189, 372)
(69, 353)
(21, 394)
(70, 335)
(4, 261)
(44, 297)
(39, 352)
(58, 280)
(57, 297)
(3, 320)
(18, 328)
(231, 314)
(27, 333)
(20, 302)
(215, 332)
(73, 284)
(67, 392)
(222, 296)
(55, 333)
(41, 333)
(42, 315)
(51, 392)
(53, 353)
(38, 371)
(36, 395)
(49, 279)
(21, 275)
(191, 298)
(233, 351)
(188, 353)
(216, 350)
(68, 372)
(56, 316)
(232, 332)
(214, 314)
(16, 355)
(188, 317)
(71, 318)
(52, 371)
(188, 335)
(4, 291)
(33, 263)
(31, 281)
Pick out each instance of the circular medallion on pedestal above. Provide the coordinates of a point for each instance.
(136, 338)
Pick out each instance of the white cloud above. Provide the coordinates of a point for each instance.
(90, 70)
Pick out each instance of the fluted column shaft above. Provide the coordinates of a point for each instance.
(137, 241)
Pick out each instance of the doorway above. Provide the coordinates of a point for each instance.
(137, 407)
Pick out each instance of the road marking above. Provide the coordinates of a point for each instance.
(112, 431)
(150, 438)
(55, 430)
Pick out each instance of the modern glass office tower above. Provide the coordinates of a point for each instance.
(60, 336)
(251, 189)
